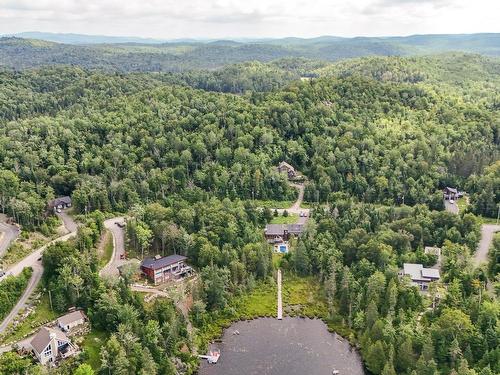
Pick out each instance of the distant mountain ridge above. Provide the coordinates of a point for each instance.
(145, 55)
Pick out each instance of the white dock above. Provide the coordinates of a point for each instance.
(280, 302)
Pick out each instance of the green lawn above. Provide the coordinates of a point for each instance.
(273, 204)
(462, 203)
(92, 347)
(42, 315)
(105, 256)
(290, 219)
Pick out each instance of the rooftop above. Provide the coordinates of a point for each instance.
(42, 338)
(156, 263)
(71, 318)
(417, 272)
(279, 229)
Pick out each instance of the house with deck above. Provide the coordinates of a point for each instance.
(59, 203)
(452, 193)
(284, 167)
(162, 269)
(278, 233)
(419, 275)
(51, 345)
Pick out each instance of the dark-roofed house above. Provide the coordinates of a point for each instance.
(419, 275)
(71, 320)
(282, 232)
(284, 167)
(450, 193)
(50, 345)
(161, 269)
(59, 203)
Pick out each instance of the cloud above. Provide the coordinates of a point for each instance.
(231, 18)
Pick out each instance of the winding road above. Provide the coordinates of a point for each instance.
(112, 268)
(34, 261)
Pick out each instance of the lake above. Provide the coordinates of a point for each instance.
(292, 346)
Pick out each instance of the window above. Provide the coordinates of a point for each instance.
(48, 351)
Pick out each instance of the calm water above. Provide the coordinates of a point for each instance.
(292, 346)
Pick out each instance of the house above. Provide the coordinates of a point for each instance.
(59, 203)
(71, 320)
(50, 345)
(284, 167)
(277, 233)
(161, 269)
(419, 275)
(450, 193)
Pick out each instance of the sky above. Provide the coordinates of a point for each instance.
(170, 19)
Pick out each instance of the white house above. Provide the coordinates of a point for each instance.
(71, 320)
(50, 345)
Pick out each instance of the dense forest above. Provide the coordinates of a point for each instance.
(189, 155)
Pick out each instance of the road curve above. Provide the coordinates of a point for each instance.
(32, 261)
(111, 269)
(8, 234)
(487, 232)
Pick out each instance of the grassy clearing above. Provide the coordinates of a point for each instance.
(273, 204)
(260, 302)
(302, 297)
(462, 203)
(488, 220)
(290, 219)
(42, 315)
(107, 249)
(92, 348)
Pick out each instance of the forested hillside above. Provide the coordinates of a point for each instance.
(189, 156)
(20, 53)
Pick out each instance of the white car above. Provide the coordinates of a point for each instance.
(452, 201)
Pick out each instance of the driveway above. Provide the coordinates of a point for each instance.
(69, 223)
(111, 269)
(295, 209)
(453, 208)
(32, 261)
(487, 232)
(8, 233)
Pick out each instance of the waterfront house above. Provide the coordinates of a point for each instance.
(161, 269)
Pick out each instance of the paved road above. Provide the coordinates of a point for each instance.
(111, 269)
(487, 232)
(32, 261)
(453, 208)
(8, 234)
(35, 279)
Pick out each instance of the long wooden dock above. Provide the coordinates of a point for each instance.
(280, 302)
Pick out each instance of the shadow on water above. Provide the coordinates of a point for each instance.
(292, 346)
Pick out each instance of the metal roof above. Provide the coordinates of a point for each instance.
(279, 229)
(71, 318)
(162, 262)
(418, 272)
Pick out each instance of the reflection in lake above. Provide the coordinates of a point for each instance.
(292, 346)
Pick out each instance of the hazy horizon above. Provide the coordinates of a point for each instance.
(236, 19)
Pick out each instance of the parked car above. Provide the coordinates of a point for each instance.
(120, 224)
(59, 210)
(452, 201)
